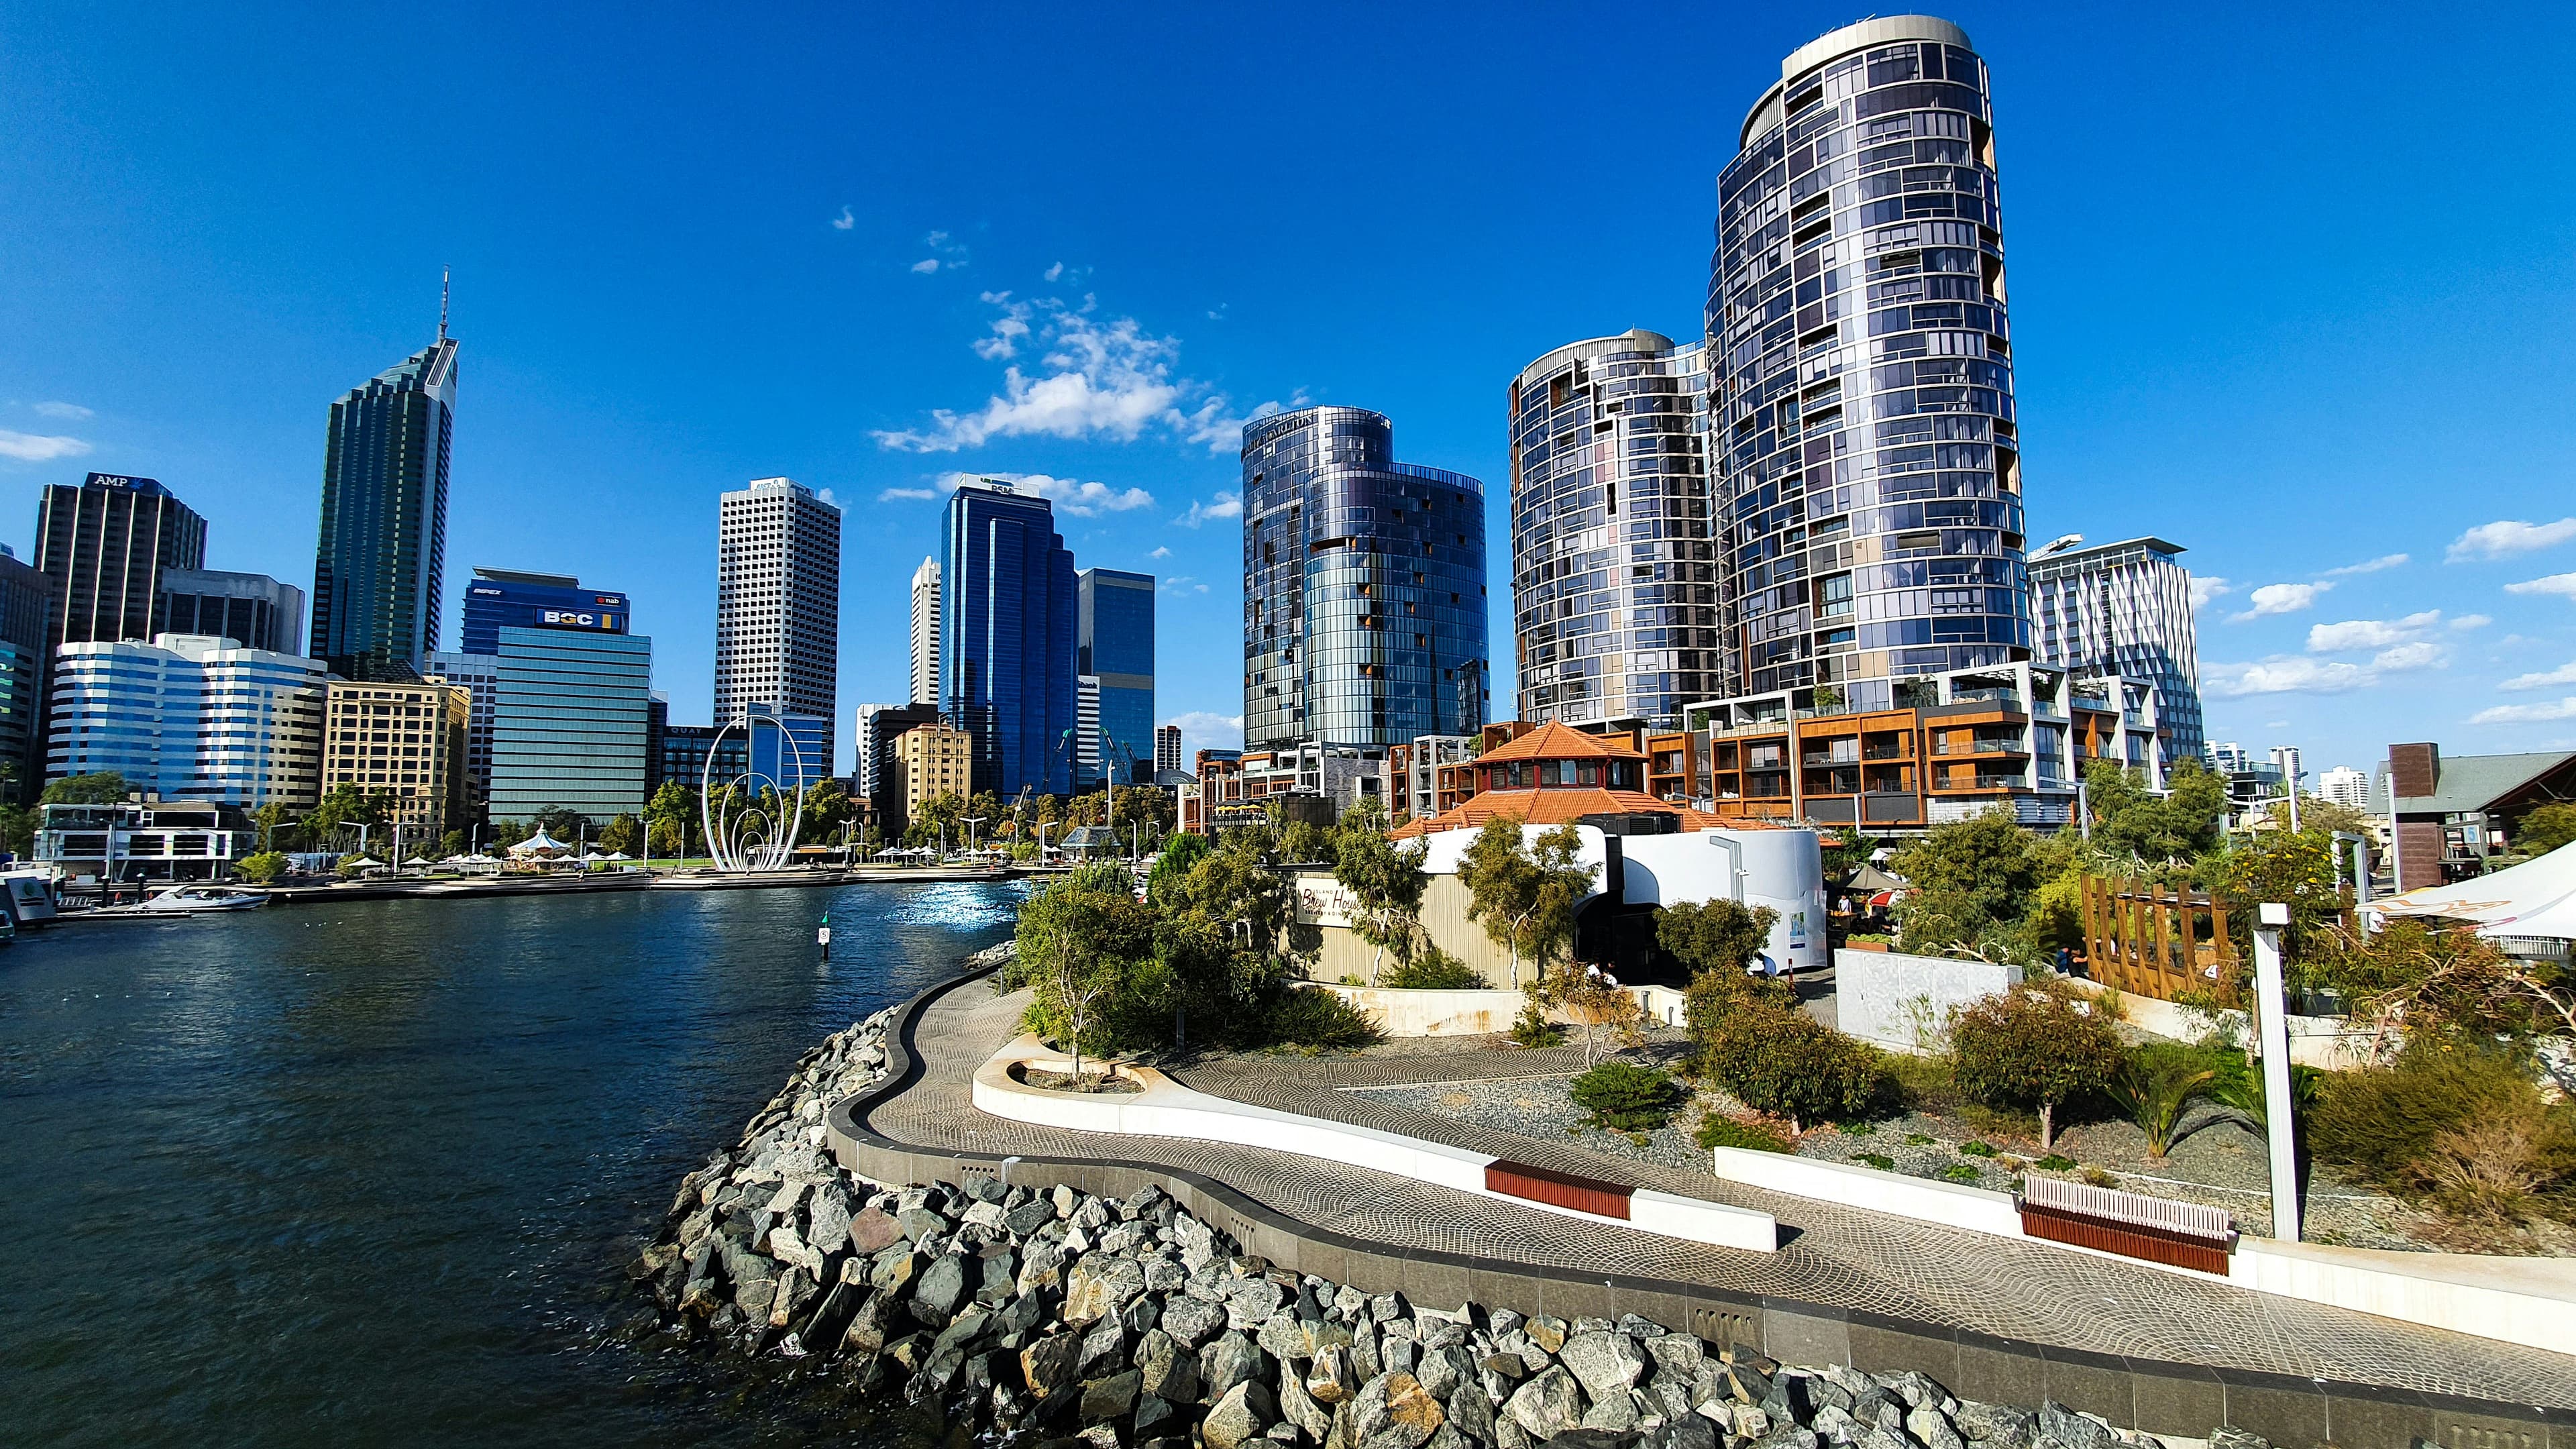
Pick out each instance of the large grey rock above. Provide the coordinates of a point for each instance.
(1395, 1412)
(1238, 1417)
(1997, 1426)
(1107, 1398)
(1171, 1371)
(787, 1247)
(1051, 1365)
(1614, 1413)
(1298, 1407)
(2072, 1429)
(1028, 1217)
(828, 1227)
(1331, 1378)
(1926, 1423)
(1230, 1359)
(1606, 1364)
(941, 1288)
(795, 1290)
(1190, 1320)
(874, 1323)
(1105, 1344)
(1099, 1286)
(1283, 1337)
(1690, 1431)
(918, 1223)
(1677, 1353)
(1471, 1413)
(1020, 1315)
(1836, 1423)
(1443, 1369)
(1549, 1404)
(1249, 1303)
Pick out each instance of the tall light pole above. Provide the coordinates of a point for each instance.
(970, 822)
(2271, 1005)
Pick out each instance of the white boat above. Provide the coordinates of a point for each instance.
(31, 897)
(188, 900)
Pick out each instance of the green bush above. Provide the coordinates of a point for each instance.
(2032, 1048)
(2461, 1122)
(1963, 1172)
(1433, 970)
(261, 868)
(1977, 1149)
(1532, 1028)
(1789, 1064)
(1303, 1016)
(2158, 1083)
(1719, 1130)
(1626, 1097)
(1879, 1160)
(2056, 1162)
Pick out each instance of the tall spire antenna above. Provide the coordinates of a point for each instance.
(443, 274)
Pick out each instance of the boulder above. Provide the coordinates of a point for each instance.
(1690, 1431)
(1395, 1412)
(1471, 1413)
(1099, 1286)
(1677, 1353)
(1107, 1398)
(2002, 1426)
(895, 1267)
(1606, 1364)
(1549, 1404)
(1230, 1359)
(873, 1324)
(1153, 1413)
(1298, 1407)
(941, 1288)
(828, 1225)
(787, 1247)
(1238, 1418)
(1548, 1333)
(2073, 1430)
(1142, 1314)
(1050, 1366)
(1020, 1315)
(1443, 1370)
(1105, 1344)
(1926, 1423)
(1171, 1371)
(822, 1329)
(1028, 1217)
(1190, 1321)
(1616, 1414)
(985, 1215)
(918, 1223)
(1331, 1378)
(795, 1290)
(1249, 1303)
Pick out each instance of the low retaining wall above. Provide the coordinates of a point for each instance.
(1947, 1203)
(2315, 1041)
(2530, 1301)
(1889, 998)
(2154, 1396)
(1474, 1011)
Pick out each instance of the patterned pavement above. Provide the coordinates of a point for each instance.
(1839, 1256)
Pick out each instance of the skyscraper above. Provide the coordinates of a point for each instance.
(2123, 608)
(253, 610)
(778, 604)
(1860, 372)
(495, 598)
(105, 545)
(570, 721)
(880, 725)
(25, 597)
(925, 632)
(1006, 638)
(1363, 586)
(1614, 564)
(1115, 645)
(377, 571)
(1167, 748)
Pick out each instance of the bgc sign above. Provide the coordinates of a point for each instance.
(577, 619)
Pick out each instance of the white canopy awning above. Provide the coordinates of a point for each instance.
(2511, 897)
(540, 844)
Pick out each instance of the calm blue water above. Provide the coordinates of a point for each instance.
(367, 1173)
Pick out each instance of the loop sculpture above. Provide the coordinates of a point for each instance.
(744, 831)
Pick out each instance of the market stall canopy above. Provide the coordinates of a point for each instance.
(540, 844)
(2516, 896)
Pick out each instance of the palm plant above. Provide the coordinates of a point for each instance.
(2156, 1086)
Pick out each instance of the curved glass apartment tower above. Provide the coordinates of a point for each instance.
(1860, 371)
(1614, 593)
(1363, 586)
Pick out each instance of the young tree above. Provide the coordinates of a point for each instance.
(1718, 935)
(2032, 1047)
(1600, 1006)
(1972, 881)
(451, 844)
(621, 834)
(1078, 941)
(1525, 896)
(2545, 829)
(261, 867)
(1172, 867)
(1385, 881)
(101, 787)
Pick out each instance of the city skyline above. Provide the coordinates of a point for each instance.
(2287, 506)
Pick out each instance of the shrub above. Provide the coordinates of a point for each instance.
(1302, 1016)
(1718, 935)
(1977, 1149)
(2055, 1162)
(261, 868)
(1433, 970)
(2032, 1048)
(2462, 1123)
(1532, 1028)
(2158, 1083)
(1719, 1130)
(1879, 1160)
(1715, 995)
(1963, 1172)
(1625, 1096)
(1788, 1064)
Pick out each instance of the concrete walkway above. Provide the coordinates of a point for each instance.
(1839, 1257)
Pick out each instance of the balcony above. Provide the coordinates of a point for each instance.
(2008, 698)
(1979, 747)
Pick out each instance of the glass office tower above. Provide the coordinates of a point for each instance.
(1860, 369)
(570, 722)
(1115, 644)
(495, 598)
(1614, 564)
(377, 569)
(1006, 638)
(1363, 586)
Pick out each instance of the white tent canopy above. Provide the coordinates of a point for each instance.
(2511, 897)
(540, 844)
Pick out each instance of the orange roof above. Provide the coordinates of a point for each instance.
(1553, 741)
(1556, 806)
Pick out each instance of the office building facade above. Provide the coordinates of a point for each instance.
(1114, 644)
(1006, 638)
(508, 598)
(104, 547)
(1167, 748)
(925, 632)
(930, 761)
(2123, 608)
(789, 752)
(1860, 373)
(378, 567)
(253, 610)
(778, 604)
(479, 675)
(189, 718)
(1614, 564)
(569, 722)
(26, 598)
(405, 743)
(880, 725)
(685, 750)
(1364, 586)
(2347, 787)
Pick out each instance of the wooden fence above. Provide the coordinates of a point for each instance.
(2157, 943)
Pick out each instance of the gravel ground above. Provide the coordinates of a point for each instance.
(1541, 1107)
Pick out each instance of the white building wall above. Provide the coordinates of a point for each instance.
(778, 603)
(925, 632)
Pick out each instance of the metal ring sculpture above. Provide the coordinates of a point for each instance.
(744, 836)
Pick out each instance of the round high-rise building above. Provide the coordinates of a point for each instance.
(1860, 371)
(1363, 586)
(1614, 592)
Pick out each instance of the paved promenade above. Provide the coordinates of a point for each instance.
(1838, 1256)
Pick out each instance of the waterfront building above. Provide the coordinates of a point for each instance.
(104, 547)
(138, 840)
(479, 675)
(404, 742)
(1614, 559)
(684, 751)
(26, 597)
(2449, 814)
(2347, 787)
(1007, 635)
(190, 717)
(925, 632)
(510, 598)
(1167, 749)
(1114, 645)
(569, 722)
(778, 604)
(1860, 373)
(930, 760)
(880, 725)
(1087, 764)
(253, 610)
(2123, 608)
(1364, 587)
(1414, 773)
(378, 569)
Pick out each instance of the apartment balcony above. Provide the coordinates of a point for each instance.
(1980, 747)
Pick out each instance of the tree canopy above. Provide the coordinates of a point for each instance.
(100, 787)
(1385, 881)
(1525, 893)
(2174, 828)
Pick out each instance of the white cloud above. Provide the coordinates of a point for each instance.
(845, 220)
(2422, 654)
(68, 412)
(926, 266)
(1225, 505)
(1183, 584)
(1160, 553)
(2369, 633)
(1055, 272)
(33, 448)
(2563, 674)
(1095, 378)
(2526, 713)
(2564, 584)
(2471, 621)
(2287, 675)
(2510, 536)
(891, 495)
(825, 495)
(1080, 499)
(1205, 730)
(2279, 599)
(2368, 566)
(945, 252)
(2206, 589)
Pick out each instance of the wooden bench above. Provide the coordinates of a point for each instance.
(1558, 1189)
(2184, 1234)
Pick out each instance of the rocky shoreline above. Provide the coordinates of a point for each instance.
(1054, 1316)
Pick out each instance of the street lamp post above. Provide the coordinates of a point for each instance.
(2273, 1029)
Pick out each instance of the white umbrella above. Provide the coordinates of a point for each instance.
(359, 861)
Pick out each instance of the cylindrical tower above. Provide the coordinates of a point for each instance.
(1614, 593)
(1860, 372)
(1363, 586)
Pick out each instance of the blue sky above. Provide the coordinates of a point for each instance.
(2290, 287)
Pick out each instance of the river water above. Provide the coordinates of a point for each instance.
(369, 1173)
